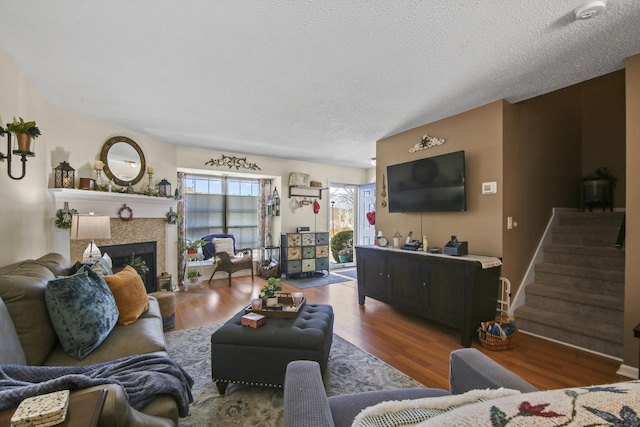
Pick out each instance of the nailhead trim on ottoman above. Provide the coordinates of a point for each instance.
(259, 356)
(167, 302)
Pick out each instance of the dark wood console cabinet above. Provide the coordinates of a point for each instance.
(454, 291)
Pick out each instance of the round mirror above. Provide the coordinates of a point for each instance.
(123, 160)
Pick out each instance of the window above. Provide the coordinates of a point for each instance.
(222, 205)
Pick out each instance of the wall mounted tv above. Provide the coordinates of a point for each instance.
(434, 184)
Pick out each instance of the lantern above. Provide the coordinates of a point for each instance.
(64, 176)
(164, 188)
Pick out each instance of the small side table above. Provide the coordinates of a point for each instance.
(84, 410)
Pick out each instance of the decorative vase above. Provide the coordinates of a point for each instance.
(24, 142)
(271, 301)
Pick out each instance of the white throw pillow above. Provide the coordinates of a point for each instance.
(224, 245)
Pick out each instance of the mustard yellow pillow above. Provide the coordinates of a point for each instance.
(130, 295)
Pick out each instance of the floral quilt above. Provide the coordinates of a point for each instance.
(602, 405)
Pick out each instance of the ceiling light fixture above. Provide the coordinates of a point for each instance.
(590, 9)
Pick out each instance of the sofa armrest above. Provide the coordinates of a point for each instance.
(470, 369)
(305, 401)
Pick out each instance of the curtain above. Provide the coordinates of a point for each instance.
(182, 262)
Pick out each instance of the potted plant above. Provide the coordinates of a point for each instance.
(338, 242)
(139, 265)
(346, 253)
(597, 188)
(24, 132)
(269, 291)
(193, 275)
(192, 246)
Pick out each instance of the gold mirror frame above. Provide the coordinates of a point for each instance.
(104, 157)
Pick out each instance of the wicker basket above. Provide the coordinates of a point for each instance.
(268, 272)
(496, 342)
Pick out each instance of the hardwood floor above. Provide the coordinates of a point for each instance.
(415, 346)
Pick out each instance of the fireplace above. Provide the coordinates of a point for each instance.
(123, 254)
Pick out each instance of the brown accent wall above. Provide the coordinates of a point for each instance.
(632, 243)
(479, 133)
(536, 150)
(541, 171)
(602, 103)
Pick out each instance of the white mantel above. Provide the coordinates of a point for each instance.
(105, 203)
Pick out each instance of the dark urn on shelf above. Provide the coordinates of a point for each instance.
(597, 189)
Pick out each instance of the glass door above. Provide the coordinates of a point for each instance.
(342, 218)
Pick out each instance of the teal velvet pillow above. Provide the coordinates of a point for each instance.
(82, 310)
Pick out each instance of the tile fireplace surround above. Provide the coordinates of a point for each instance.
(147, 224)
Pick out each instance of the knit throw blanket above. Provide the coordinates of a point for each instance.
(142, 377)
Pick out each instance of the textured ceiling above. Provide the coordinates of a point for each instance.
(316, 80)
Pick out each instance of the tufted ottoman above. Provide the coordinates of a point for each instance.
(244, 355)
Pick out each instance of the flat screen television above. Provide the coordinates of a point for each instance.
(433, 184)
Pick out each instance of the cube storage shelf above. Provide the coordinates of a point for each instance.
(304, 254)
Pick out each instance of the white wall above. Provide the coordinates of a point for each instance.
(194, 159)
(26, 211)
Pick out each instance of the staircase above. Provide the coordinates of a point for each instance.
(578, 293)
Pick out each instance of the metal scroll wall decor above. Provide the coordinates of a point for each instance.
(233, 161)
(426, 142)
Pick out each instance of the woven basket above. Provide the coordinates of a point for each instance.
(268, 272)
(496, 342)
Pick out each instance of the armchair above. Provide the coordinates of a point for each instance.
(222, 247)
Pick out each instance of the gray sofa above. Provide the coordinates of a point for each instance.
(306, 404)
(28, 338)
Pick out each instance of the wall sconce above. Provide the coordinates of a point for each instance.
(372, 160)
(164, 188)
(24, 141)
(64, 176)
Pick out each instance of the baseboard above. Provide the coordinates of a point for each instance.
(628, 371)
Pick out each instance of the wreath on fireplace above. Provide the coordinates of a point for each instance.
(125, 213)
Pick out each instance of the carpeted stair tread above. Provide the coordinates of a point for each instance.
(585, 256)
(582, 272)
(591, 219)
(585, 333)
(593, 299)
(578, 293)
(592, 236)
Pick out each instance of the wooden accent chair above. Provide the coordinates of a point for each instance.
(222, 247)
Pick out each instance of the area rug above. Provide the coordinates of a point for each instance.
(311, 282)
(349, 272)
(350, 370)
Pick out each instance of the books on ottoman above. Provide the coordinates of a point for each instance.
(254, 320)
(42, 411)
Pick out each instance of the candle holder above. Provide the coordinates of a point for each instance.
(150, 188)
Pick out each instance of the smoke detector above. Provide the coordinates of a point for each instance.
(591, 9)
